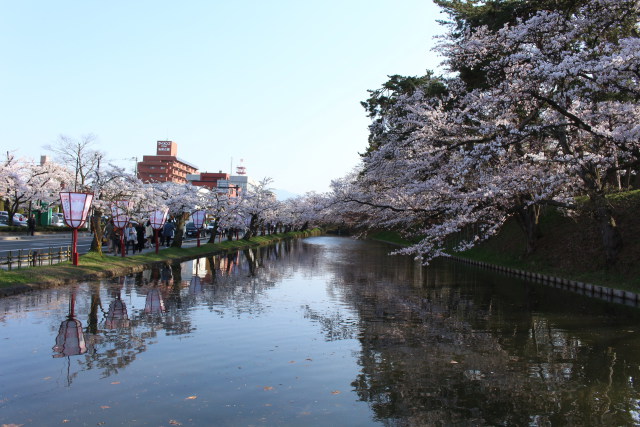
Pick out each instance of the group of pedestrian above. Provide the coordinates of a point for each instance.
(136, 236)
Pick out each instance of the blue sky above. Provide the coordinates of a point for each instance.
(276, 83)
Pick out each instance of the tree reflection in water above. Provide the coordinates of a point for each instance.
(443, 349)
(445, 345)
(235, 279)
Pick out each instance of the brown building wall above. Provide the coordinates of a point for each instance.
(165, 165)
(163, 169)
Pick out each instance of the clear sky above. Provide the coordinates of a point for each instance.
(276, 83)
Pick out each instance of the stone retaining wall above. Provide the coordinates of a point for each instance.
(618, 296)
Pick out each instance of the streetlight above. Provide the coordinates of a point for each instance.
(75, 207)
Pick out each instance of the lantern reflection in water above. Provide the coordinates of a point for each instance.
(117, 316)
(70, 339)
(154, 303)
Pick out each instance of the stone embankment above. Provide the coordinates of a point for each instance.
(602, 292)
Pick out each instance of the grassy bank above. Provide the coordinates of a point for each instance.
(569, 247)
(94, 266)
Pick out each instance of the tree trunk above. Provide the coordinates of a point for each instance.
(177, 239)
(528, 219)
(98, 232)
(214, 233)
(611, 237)
(253, 227)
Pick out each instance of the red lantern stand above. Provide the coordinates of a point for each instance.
(157, 220)
(75, 207)
(120, 217)
(198, 221)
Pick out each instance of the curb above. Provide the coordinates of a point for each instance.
(617, 296)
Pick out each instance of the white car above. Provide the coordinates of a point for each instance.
(19, 219)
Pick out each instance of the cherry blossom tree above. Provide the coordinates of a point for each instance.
(578, 72)
(108, 185)
(24, 182)
(181, 200)
(256, 205)
(555, 117)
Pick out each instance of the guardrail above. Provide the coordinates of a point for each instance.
(21, 258)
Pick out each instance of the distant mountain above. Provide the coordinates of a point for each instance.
(284, 194)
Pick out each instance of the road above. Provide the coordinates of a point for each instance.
(45, 241)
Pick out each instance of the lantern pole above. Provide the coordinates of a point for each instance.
(122, 244)
(157, 219)
(74, 253)
(198, 218)
(75, 207)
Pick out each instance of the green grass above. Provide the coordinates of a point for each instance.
(93, 265)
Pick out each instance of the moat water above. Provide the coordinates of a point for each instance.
(316, 332)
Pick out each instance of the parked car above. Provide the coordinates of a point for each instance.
(191, 230)
(20, 220)
(4, 220)
(210, 226)
(57, 221)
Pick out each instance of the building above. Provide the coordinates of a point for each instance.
(243, 182)
(165, 166)
(213, 181)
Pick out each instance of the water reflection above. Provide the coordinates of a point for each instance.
(304, 331)
(70, 338)
(448, 348)
(117, 316)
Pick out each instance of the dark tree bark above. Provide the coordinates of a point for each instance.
(528, 219)
(177, 239)
(98, 231)
(214, 233)
(253, 227)
(611, 238)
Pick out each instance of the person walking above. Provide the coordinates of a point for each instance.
(148, 234)
(140, 236)
(168, 232)
(115, 240)
(131, 238)
(31, 224)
